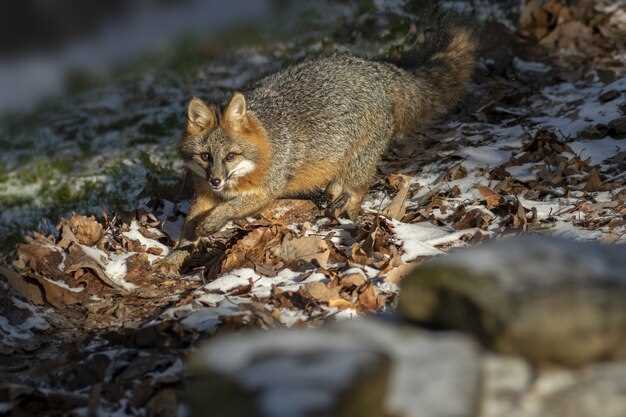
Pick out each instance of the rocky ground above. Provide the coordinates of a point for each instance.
(90, 189)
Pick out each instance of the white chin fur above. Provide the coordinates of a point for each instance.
(243, 168)
(196, 168)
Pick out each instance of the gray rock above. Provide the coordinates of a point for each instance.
(511, 389)
(600, 391)
(286, 373)
(506, 381)
(433, 374)
(548, 299)
(354, 368)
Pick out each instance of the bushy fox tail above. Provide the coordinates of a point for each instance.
(440, 68)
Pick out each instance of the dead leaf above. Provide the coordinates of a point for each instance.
(368, 298)
(307, 248)
(86, 229)
(470, 219)
(58, 293)
(492, 198)
(250, 250)
(78, 260)
(359, 256)
(397, 274)
(340, 304)
(323, 293)
(67, 236)
(594, 183)
(22, 285)
(457, 172)
(42, 259)
(139, 270)
(397, 208)
(352, 280)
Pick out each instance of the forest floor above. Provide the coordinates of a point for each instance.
(89, 202)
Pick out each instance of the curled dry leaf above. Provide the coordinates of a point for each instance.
(594, 183)
(325, 294)
(139, 270)
(27, 288)
(77, 260)
(457, 172)
(307, 248)
(397, 208)
(368, 298)
(87, 230)
(41, 259)
(59, 294)
(249, 251)
(352, 280)
(398, 273)
(492, 198)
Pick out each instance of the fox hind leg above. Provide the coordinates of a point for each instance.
(346, 193)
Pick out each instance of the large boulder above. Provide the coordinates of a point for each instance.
(356, 368)
(548, 299)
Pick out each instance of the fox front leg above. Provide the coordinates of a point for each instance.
(237, 208)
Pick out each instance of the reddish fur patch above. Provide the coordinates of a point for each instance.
(311, 176)
(252, 130)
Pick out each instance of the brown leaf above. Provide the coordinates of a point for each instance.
(397, 274)
(352, 280)
(368, 298)
(250, 250)
(43, 260)
(457, 172)
(306, 248)
(86, 229)
(397, 208)
(492, 198)
(78, 260)
(473, 218)
(139, 270)
(594, 183)
(340, 303)
(67, 237)
(27, 288)
(358, 255)
(322, 292)
(58, 294)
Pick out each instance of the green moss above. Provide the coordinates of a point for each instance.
(63, 196)
(44, 170)
(13, 200)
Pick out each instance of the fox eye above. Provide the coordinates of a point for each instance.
(205, 156)
(230, 157)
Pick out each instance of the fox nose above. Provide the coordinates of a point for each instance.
(215, 182)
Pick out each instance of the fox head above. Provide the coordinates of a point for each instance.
(230, 150)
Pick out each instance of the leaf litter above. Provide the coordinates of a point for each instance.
(540, 150)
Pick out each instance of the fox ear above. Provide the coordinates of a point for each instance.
(236, 109)
(200, 116)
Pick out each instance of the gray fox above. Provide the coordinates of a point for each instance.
(322, 124)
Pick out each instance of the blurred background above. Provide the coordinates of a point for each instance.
(48, 46)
